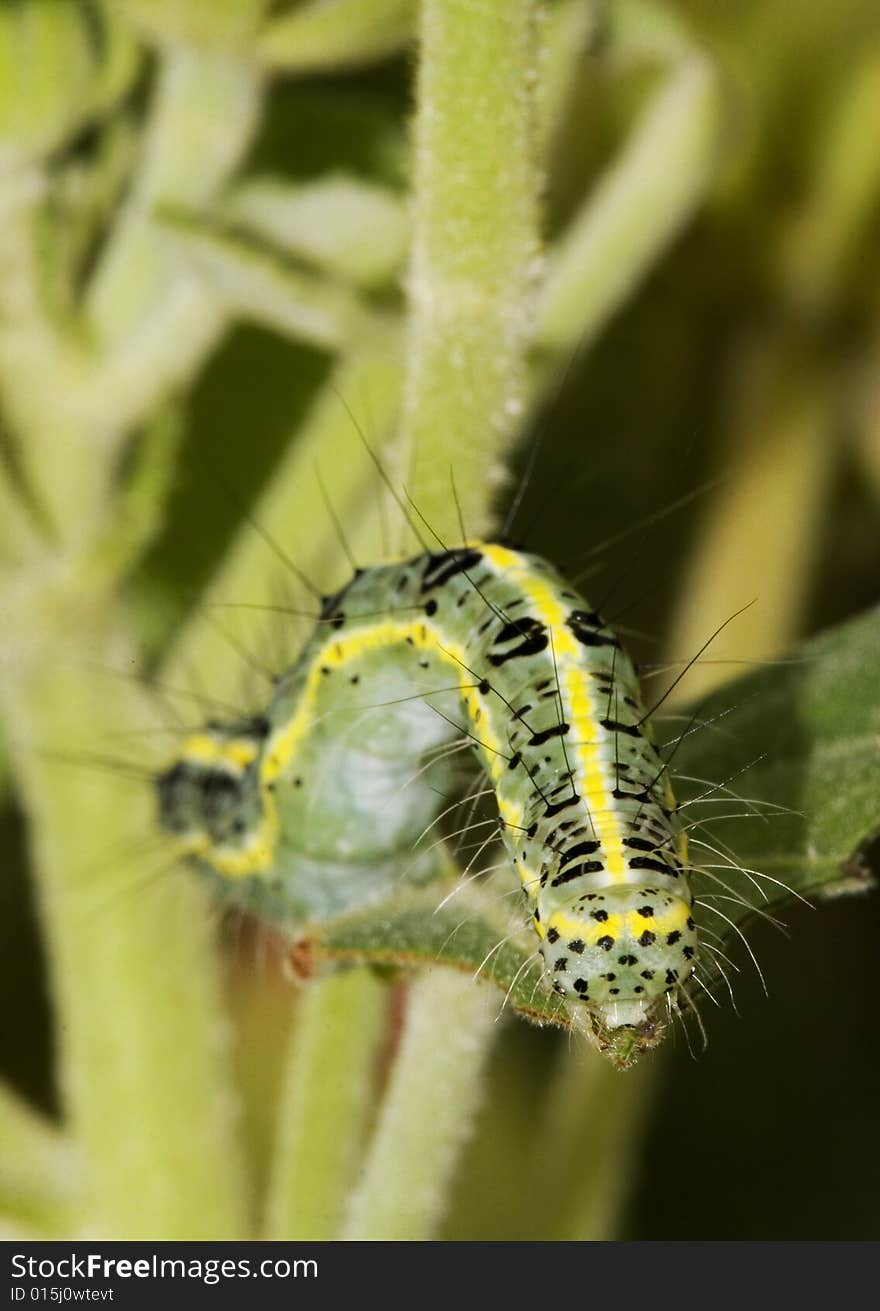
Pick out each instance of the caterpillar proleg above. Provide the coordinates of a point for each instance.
(309, 810)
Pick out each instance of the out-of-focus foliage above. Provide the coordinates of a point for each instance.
(206, 218)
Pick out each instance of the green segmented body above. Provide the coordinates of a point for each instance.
(315, 809)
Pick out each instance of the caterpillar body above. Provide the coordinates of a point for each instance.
(312, 809)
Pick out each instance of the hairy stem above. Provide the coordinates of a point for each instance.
(427, 1111)
(324, 1109)
(142, 1059)
(474, 257)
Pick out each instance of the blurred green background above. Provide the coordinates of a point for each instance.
(746, 363)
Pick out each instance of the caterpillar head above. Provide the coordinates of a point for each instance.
(202, 795)
(619, 953)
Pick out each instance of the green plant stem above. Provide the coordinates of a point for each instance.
(256, 286)
(204, 110)
(152, 321)
(474, 257)
(139, 511)
(587, 1144)
(636, 209)
(473, 264)
(345, 226)
(428, 1109)
(757, 542)
(140, 1033)
(335, 33)
(818, 247)
(19, 538)
(330, 1084)
(210, 24)
(39, 1174)
(143, 1070)
(366, 383)
(648, 31)
(567, 30)
(41, 421)
(867, 426)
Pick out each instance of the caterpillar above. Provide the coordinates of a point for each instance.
(309, 810)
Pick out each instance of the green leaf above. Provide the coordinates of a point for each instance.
(219, 23)
(812, 728)
(257, 285)
(336, 33)
(54, 74)
(140, 512)
(635, 210)
(464, 935)
(348, 227)
(120, 62)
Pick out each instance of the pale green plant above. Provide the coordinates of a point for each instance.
(102, 339)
